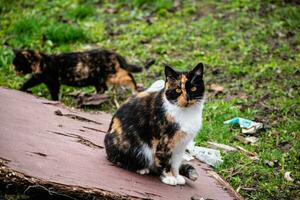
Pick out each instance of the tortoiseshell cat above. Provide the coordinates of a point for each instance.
(96, 67)
(150, 132)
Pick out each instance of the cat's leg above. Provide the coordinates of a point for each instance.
(54, 90)
(33, 81)
(188, 171)
(163, 165)
(178, 144)
(176, 161)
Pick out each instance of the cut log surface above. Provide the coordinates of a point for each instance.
(45, 144)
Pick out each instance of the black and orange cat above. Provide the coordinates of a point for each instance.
(150, 132)
(96, 68)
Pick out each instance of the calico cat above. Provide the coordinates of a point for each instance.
(96, 67)
(150, 132)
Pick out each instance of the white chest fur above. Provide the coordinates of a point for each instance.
(190, 122)
(189, 119)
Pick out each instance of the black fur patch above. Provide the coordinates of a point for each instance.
(96, 68)
(142, 121)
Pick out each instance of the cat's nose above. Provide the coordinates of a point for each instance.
(187, 97)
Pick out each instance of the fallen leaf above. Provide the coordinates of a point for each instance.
(251, 155)
(216, 71)
(285, 146)
(246, 140)
(111, 10)
(223, 147)
(269, 163)
(287, 176)
(216, 88)
(149, 19)
(84, 99)
(251, 139)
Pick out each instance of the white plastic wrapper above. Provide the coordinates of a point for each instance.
(209, 156)
(156, 86)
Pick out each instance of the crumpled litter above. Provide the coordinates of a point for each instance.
(209, 156)
(247, 125)
(156, 86)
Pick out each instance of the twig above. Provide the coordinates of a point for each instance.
(115, 98)
(48, 190)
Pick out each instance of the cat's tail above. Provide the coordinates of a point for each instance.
(188, 171)
(134, 68)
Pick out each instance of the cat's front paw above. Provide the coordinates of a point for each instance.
(180, 180)
(169, 180)
(143, 171)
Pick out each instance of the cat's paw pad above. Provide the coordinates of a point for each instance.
(143, 171)
(170, 180)
(180, 180)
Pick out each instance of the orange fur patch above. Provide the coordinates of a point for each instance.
(36, 68)
(167, 85)
(182, 99)
(116, 126)
(170, 84)
(121, 77)
(170, 118)
(19, 73)
(192, 102)
(117, 130)
(183, 80)
(174, 172)
(178, 136)
(143, 94)
(26, 54)
(125, 145)
(154, 144)
(170, 173)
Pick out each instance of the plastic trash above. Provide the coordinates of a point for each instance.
(247, 125)
(156, 86)
(209, 156)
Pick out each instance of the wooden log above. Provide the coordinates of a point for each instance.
(47, 149)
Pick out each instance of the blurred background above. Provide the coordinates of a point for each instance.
(250, 49)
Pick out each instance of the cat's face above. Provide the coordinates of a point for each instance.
(24, 61)
(184, 88)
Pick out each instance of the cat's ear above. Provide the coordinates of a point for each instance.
(198, 70)
(24, 53)
(170, 73)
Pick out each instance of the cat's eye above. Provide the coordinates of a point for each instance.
(178, 90)
(193, 89)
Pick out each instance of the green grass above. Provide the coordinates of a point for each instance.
(81, 12)
(251, 48)
(59, 33)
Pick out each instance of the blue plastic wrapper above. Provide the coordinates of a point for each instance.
(244, 123)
